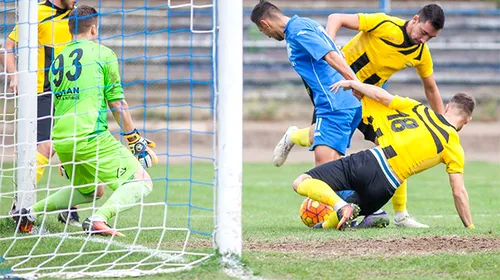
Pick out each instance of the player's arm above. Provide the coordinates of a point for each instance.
(139, 146)
(373, 92)
(324, 48)
(121, 114)
(10, 66)
(113, 93)
(426, 72)
(461, 199)
(340, 64)
(336, 21)
(432, 94)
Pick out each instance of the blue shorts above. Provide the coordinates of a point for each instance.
(335, 130)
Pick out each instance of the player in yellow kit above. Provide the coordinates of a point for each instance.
(384, 45)
(52, 20)
(53, 36)
(411, 138)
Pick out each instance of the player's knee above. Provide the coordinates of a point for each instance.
(299, 180)
(142, 175)
(99, 191)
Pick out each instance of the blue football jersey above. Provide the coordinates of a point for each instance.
(307, 44)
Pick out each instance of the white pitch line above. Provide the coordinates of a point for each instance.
(445, 216)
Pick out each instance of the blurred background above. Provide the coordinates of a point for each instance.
(170, 70)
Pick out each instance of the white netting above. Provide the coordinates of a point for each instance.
(166, 53)
(8, 103)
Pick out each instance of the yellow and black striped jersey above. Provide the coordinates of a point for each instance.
(382, 47)
(53, 35)
(412, 137)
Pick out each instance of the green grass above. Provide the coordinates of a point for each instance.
(270, 220)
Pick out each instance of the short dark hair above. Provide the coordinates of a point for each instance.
(262, 10)
(81, 19)
(464, 102)
(432, 13)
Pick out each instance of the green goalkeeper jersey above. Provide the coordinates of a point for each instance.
(83, 78)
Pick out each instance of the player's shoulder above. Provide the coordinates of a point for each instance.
(450, 133)
(398, 21)
(44, 11)
(100, 50)
(47, 10)
(454, 137)
(381, 17)
(104, 48)
(399, 102)
(453, 145)
(105, 54)
(300, 24)
(425, 49)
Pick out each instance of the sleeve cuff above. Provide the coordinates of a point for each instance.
(116, 99)
(395, 101)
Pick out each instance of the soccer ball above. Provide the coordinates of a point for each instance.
(313, 212)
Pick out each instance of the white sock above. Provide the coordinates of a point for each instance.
(339, 205)
(398, 215)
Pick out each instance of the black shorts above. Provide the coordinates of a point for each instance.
(359, 172)
(44, 114)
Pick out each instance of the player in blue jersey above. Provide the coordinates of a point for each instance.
(320, 64)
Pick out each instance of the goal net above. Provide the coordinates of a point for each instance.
(167, 58)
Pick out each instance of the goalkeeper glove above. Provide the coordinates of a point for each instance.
(142, 148)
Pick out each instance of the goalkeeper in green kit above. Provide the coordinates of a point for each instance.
(85, 79)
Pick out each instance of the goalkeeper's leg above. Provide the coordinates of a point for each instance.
(125, 197)
(122, 172)
(62, 199)
(45, 150)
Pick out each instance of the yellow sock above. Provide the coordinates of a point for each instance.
(320, 191)
(41, 162)
(331, 220)
(399, 198)
(301, 137)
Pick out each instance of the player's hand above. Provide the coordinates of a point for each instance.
(142, 148)
(345, 84)
(13, 83)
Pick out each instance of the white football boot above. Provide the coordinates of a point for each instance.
(283, 147)
(408, 221)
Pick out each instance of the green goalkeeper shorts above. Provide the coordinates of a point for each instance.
(100, 159)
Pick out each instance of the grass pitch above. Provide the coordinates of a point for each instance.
(277, 245)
